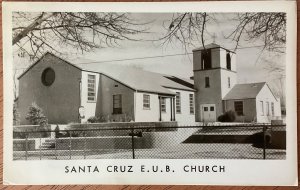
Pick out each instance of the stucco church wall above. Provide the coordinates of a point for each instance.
(109, 87)
(265, 95)
(249, 109)
(224, 81)
(146, 114)
(60, 101)
(215, 58)
(211, 95)
(196, 60)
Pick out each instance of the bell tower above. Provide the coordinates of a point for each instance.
(214, 76)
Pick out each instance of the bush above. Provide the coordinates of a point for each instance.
(56, 130)
(108, 118)
(95, 119)
(36, 116)
(228, 116)
(16, 115)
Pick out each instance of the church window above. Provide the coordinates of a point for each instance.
(192, 110)
(178, 102)
(262, 107)
(91, 88)
(268, 108)
(239, 107)
(146, 101)
(163, 104)
(206, 59)
(207, 85)
(117, 104)
(272, 108)
(229, 82)
(228, 61)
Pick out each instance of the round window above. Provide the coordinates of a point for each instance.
(48, 76)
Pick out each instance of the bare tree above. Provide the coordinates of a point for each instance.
(35, 33)
(270, 28)
(186, 28)
(277, 72)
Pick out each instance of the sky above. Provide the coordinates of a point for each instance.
(251, 63)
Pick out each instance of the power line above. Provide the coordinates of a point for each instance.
(148, 57)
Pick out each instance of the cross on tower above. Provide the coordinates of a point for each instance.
(214, 36)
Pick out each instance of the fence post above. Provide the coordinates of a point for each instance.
(264, 142)
(84, 148)
(40, 148)
(70, 145)
(55, 146)
(26, 145)
(132, 143)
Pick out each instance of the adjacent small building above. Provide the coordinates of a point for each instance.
(120, 93)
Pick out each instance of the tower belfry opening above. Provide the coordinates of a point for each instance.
(206, 59)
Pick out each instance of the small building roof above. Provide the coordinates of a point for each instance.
(244, 91)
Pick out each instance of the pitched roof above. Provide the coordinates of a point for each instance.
(243, 91)
(136, 78)
(211, 46)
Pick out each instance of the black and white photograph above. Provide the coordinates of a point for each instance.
(144, 85)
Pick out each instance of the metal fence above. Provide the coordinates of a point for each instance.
(240, 141)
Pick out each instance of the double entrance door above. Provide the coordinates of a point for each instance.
(208, 112)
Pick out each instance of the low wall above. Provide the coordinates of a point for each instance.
(20, 145)
(32, 131)
(147, 141)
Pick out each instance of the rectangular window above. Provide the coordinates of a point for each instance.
(205, 108)
(146, 101)
(268, 108)
(262, 107)
(117, 104)
(272, 108)
(178, 104)
(239, 107)
(228, 61)
(192, 110)
(163, 104)
(91, 88)
(229, 82)
(207, 82)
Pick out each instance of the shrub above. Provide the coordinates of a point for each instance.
(36, 116)
(99, 119)
(228, 116)
(16, 115)
(56, 130)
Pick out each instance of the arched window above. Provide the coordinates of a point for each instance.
(228, 61)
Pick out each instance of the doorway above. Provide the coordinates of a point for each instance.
(208, 112)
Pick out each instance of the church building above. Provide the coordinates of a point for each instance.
(69, 92)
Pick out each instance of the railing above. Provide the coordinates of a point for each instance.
(226, 141)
